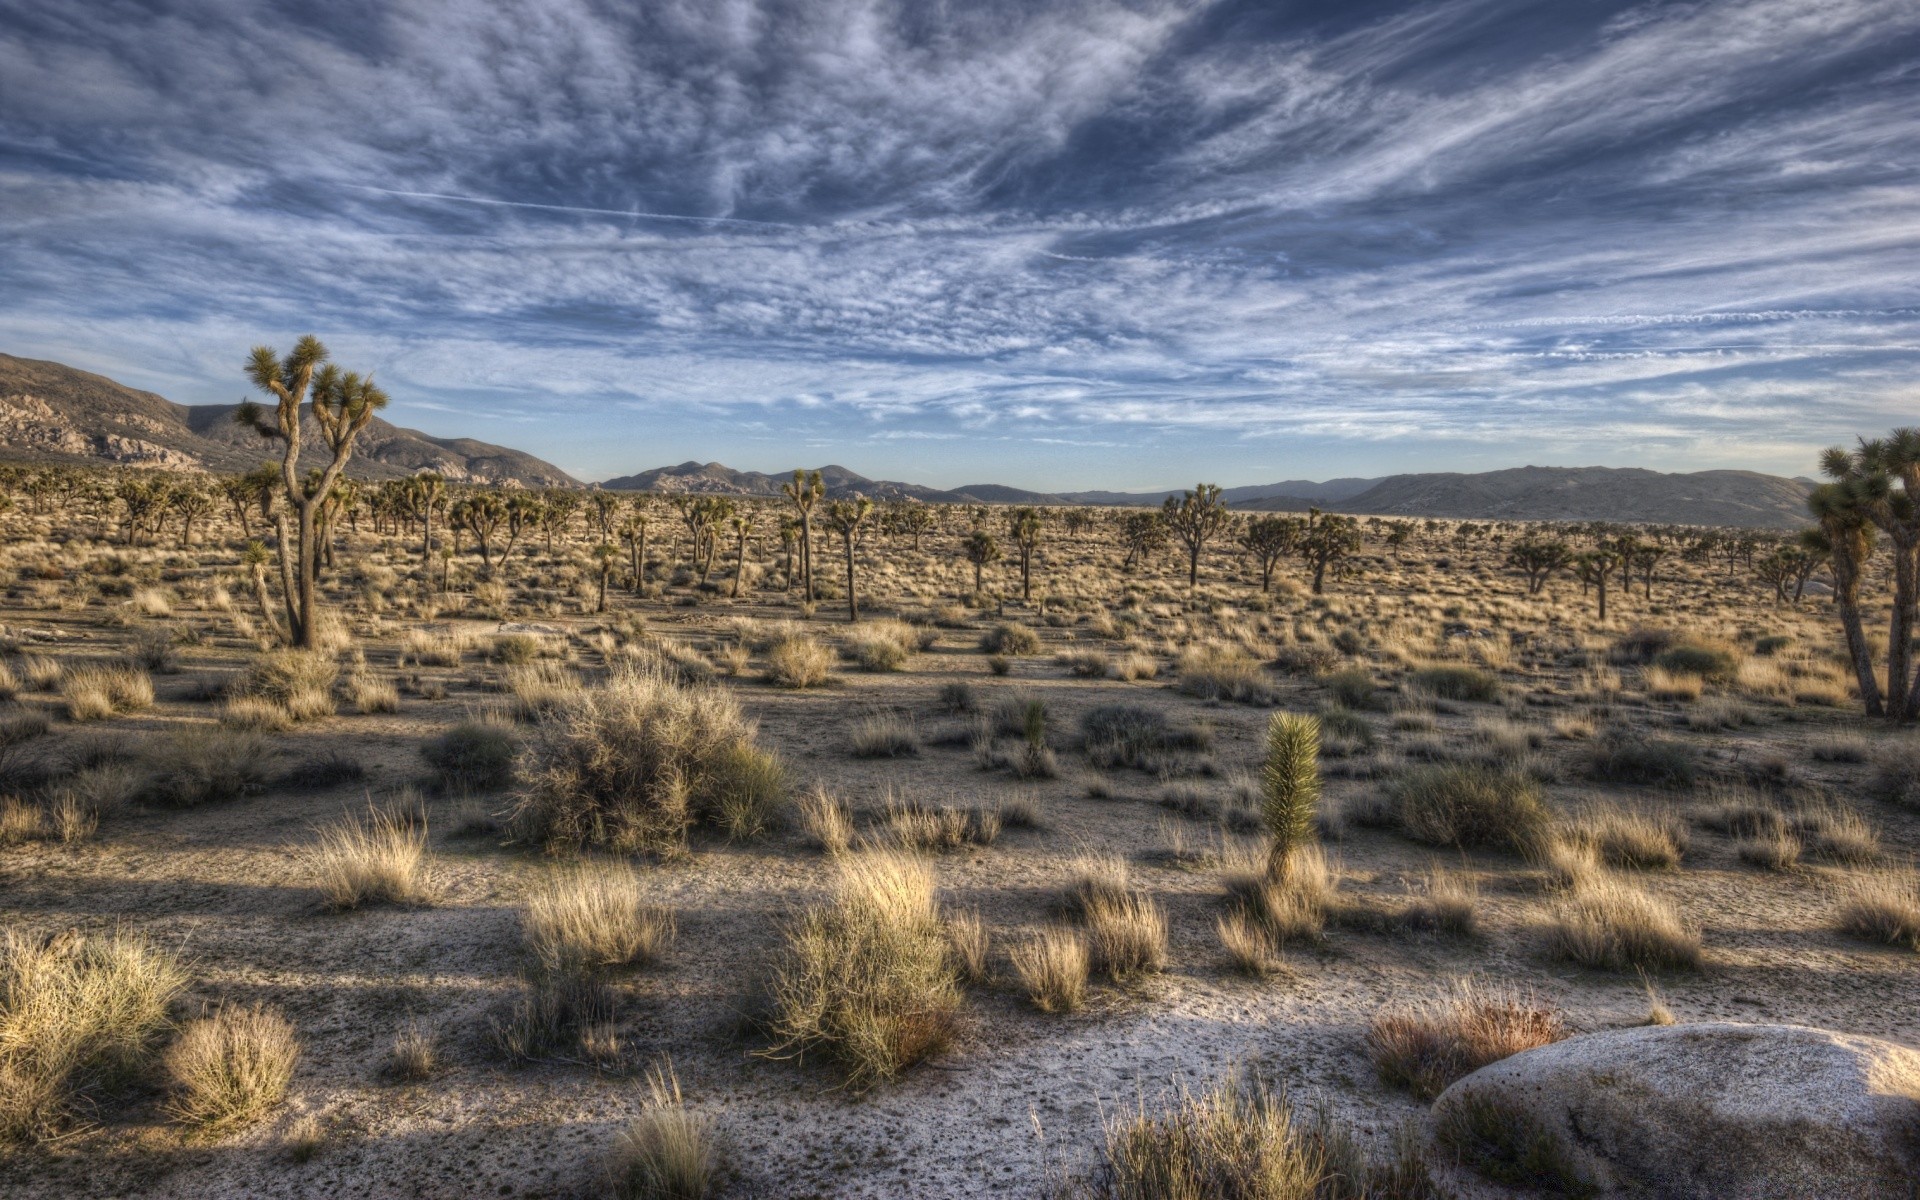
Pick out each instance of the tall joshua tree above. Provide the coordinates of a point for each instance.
(1023, 526)
(1845, 535)
(1594, 568)
(1870, 474)
(981, 550)
(341, 403)
(1269, 539)
(802, 493)
(1289, 787)
(846, 517)
(1196, 518)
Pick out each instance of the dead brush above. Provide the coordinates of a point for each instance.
(377, 859)
(1882, 908)
(593, 917)
(1425, 1046)
(1608, 924)
(94, 693)
(1052, 967)
(230, 1068)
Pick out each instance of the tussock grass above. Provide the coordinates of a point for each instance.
(1052, 967)
(79, 1016)
(1609, 924)
(1128, 938)
(1454, 682)
(668, 1152)
(1883, 908)
(868, 979)
(1425, 1046)
(206, 764)
(230, 1068)
(825, 821)
(883, 735)
(1250, 948)
(471, 756)
(94, 693)
(592, 917)
(1622, 838)
(296, 683)
(1471, 806)
(378, 859)
(1010, 639)
(1218, 672)
(798, 661)
(1447, 902)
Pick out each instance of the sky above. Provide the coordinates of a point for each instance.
(1057, 244)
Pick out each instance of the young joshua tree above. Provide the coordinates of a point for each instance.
(1197, 518)
(1023, 526)
(981, 550)
(1269, 539)
(846, 517)
(1328, 541)
(342, 403)
(802, 493)
(1870, 474)
(1289, 786)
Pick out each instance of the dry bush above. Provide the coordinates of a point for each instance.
(825, 821)
(1896, 773)
(1446, 902)
(868, 979)
(1621, 757)
(668, 1152)
(203, 764)
(883, 645)
(1663, 684)
(1472, 806)
(1010, 639)
(94, 693)
(378, 859)
(798, 661)
(230, 1068)
(471, 756)
(634, 763)
(1836, 833)
(1127, 937)
(1098, 880)
(1424, 1047)
(1250, 948)
(78, 1016)
(1085, 664)
(1217, 672)
(883, 735)
(1234, 1142)
(1630, 839)
(297, 684)
(1052, 967)
(1609, 924)
(590, 917)
(1882, 908)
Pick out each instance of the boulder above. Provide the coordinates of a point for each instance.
(1716, 1111)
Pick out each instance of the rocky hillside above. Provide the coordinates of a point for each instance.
(1302, 489)
(1743, 498)
(50, 412)
(717, 479)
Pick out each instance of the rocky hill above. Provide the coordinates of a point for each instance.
(50, 412)
(1742, 498)
(717, 479)
(1305, 490)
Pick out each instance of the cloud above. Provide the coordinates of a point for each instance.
(1146, 228)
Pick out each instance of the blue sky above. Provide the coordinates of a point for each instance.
(1058, 245)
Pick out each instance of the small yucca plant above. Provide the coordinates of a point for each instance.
(1289, 786)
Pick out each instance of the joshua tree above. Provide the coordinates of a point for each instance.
(341, 403)
(789, 549)
(981, 550)
(1538, 560)
(916, 519)
(481, 514)
(1269, 539)
(1327, 542)
(557, 507)
(846, 517)
(1196, 519)
(1399, 533)
(802, 493)
(193, 504)
(741, 527)
(604, 556)
(1870, 474)
(1289, 786)
(1023, 526)
(1594, 567)
(422, 495)
(633, 531)
(1143, 534)
(1846, 536)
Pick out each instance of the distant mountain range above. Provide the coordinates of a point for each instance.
(54, 413)
(50, 412)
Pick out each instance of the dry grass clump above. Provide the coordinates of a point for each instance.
(798, 661)
(883, 735)
(1896, 774)
(1250, 948)
(471, 756)
(422, 647)
(78, 1015)
(1010, 639)
(915, 826)
(1293, 907)
(1883, 908)
(1621, 757)
(590, 917)
(1447, 681)
(371, 694)
(1776, 850)
(1472, 806)
(541, 688)
(230, 1068)
(634, 763)
(869, 978)
(1425, 1046)
(1836, 833)
(1219, 672)
(378, 859)
(1447, 902)
(668, 1152)
(1134, 666)
(972, 945)
(1127, 937)
(19, 821)
(884, 645)
(414, 1054)
(1663, 684)
(94, 693)
(825, 821)
(297, 683)
(1053, 966)
(1609, 924)
(205, 764)
(1630, 839)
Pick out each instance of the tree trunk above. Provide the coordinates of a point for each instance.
(1900, 633)
(853, 605)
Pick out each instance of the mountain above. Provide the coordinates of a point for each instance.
(1305, 490)
(50, 412)
(1743, 498)
(998, 493)
(718, 479)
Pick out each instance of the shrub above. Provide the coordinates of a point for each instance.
(371, 694)
(98, 692)
(1471, 806)
(231, 1067)
(634, 763)
(967, 934)
(1426, 1046)
(1010, 639)
(509, 649)
(668, 1152)
(1609, 924)
(1896, 775)
(1086, 664)
(958, 697)
(868, 979)
(1223, 673)
(472, 755)
(1127, 937)
(825, 821)
(1708, 660)
(78, 1015)
(1130, 667)
(1507, 1143)
(1351, 688)
(204, 764)
(19, 821)
(1234, 1142)
(585, 919)
(883, 735)
(381, 859)
(1052, 967)
(1131, 735)
(540, 689)
(330, 768)
(1629, 839)
(797, 661)
(1882, 908)
(1619, 758)
(883, 645)
(748, 791)
(1449, 682)
(297, 682)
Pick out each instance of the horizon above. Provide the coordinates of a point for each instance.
(1065, 247)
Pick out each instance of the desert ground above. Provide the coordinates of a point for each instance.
(1676, 813)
